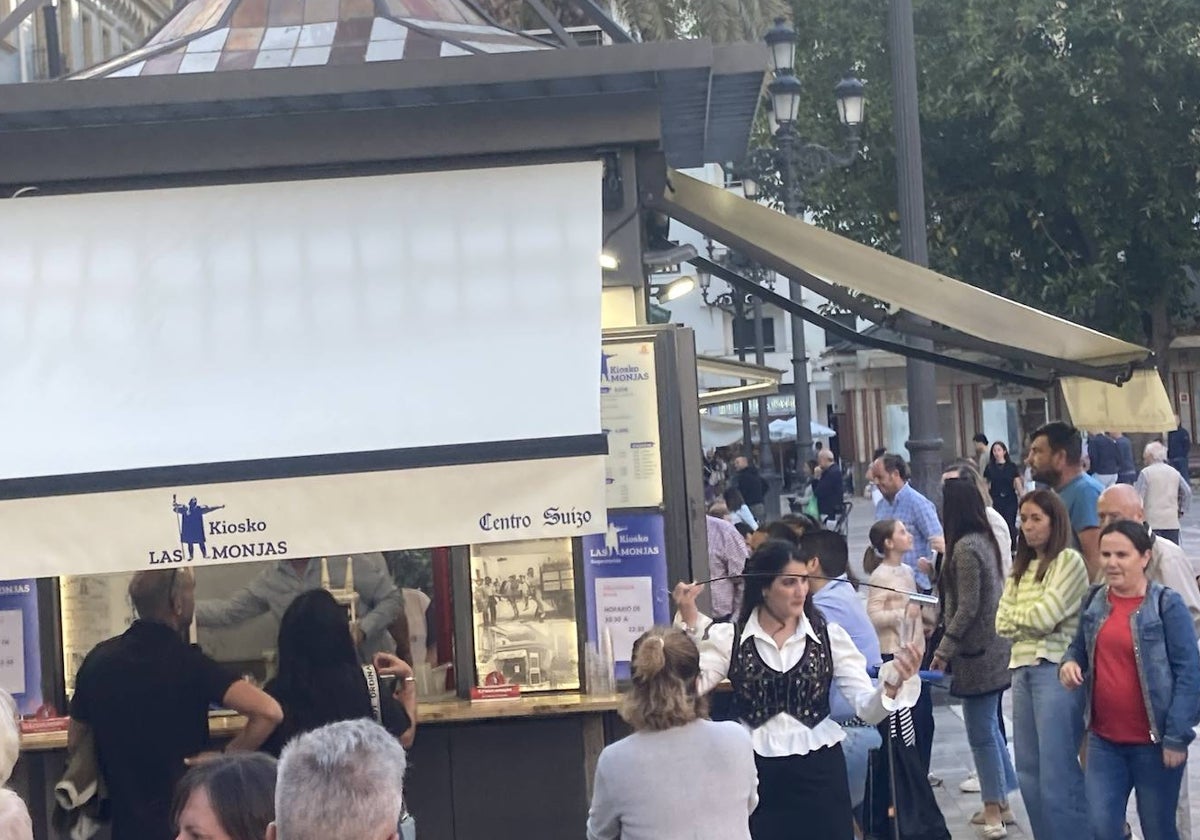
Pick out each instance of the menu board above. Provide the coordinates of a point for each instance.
(20, 653)
(629, 415)
(625, 577)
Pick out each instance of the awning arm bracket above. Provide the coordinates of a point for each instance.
(848, 334)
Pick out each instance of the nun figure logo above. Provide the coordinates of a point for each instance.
(191, 524)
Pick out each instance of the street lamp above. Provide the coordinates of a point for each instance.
(674, 290)
(781, 40)
(790, 163)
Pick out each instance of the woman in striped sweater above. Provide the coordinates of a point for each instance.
(1039, 613)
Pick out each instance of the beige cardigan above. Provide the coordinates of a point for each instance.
(886, 609)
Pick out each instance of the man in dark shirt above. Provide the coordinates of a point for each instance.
(751, 485)
(1179, 447)
(145, 696)
(1104, 457)
(828, 487)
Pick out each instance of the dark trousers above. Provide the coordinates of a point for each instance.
(803, 797)
(1180, 464)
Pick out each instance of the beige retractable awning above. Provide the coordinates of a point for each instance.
(791, 247)
(760, 381)
(1140, 405)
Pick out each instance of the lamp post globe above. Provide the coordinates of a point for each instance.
(851, 101)
(785, 90)
(781, 40)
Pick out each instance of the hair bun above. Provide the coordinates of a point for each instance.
(650, 659)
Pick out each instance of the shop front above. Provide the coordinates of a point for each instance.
(242, 313)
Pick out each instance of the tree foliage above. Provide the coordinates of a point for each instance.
(722, 21)
(1061, 148)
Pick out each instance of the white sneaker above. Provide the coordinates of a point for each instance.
(970, 784)
(993, 832)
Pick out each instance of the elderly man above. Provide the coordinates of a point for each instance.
(900, 501)
(145, 696)
(1169, 567)
(1166, 495)
(344, 780)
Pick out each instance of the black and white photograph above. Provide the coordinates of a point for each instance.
(523, 601)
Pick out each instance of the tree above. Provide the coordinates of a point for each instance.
(722, 21)
(1061, 148)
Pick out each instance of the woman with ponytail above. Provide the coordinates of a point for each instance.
(668, 716)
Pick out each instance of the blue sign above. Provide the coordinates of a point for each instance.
(20, 649)
(625, 579)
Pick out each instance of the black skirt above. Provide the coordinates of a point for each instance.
(803, 796)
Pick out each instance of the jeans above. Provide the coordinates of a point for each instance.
(860, 740)
(408, 829)
(996, 775)
(1113, 770)
(1047, 734)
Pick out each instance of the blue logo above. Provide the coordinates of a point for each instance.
(192, 530)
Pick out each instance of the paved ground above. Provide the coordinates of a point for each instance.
(951, 755)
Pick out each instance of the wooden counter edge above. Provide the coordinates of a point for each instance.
(224, 725)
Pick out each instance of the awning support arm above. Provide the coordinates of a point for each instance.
(851, 335)
(903, 322)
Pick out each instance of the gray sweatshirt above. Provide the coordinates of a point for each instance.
(631, 801)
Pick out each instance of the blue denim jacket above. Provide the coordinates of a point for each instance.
(1164, 644)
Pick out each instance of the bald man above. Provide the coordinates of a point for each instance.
(1168, 566)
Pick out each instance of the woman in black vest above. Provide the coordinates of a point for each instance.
(783, 659)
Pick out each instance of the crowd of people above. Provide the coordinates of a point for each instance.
(1052, 581)
(799, 708)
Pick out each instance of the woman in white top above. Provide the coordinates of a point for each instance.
(783, 660)
(14, 816)
(667, 713)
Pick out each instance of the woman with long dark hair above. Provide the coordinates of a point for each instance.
(1135, 651)
(320, 680)
(783, 660)
(970, 649)
(1005, 487)
(1039, 613)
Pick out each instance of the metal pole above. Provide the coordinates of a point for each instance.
(803, 394)
(53, 49)
(739, 316)
(766, 460)
(924, 440)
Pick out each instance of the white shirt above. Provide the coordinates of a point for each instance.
(1171, 568)
(1003, 540)
(783, 735)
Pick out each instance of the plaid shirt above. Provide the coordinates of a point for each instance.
(920, 517)
(727, 553)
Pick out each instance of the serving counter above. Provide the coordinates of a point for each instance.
(499, 769)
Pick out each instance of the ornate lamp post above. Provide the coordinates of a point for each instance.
(735, 301)
(797, 163)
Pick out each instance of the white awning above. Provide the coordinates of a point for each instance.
(793, 247)
(761, 381)
(1140, 405)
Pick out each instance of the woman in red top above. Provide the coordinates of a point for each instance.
(1136, 652)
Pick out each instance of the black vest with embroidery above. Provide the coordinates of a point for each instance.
(760, 692)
